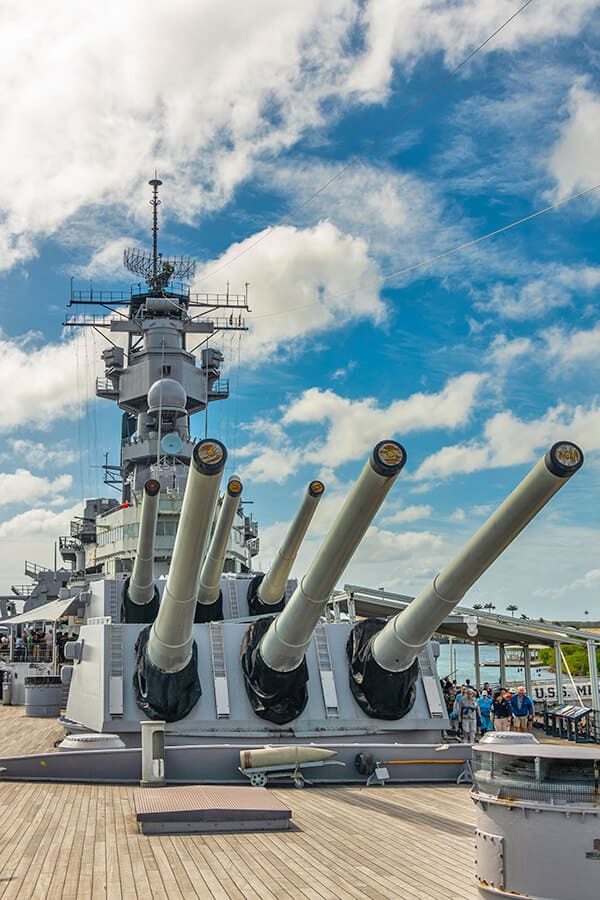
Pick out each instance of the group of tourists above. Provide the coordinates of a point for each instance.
(473, 713)
(36, 645)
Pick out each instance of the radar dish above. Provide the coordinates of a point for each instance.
(171, 444)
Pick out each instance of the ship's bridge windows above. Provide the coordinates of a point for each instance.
(166, 527)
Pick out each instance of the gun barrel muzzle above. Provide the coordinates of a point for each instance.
(272, 587)
(283, 646)
(397, 645)
(212, 567)
(141, 583)
(170, 641)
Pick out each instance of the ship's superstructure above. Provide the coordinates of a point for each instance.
(154, 375)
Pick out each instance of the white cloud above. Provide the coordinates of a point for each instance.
(354, 426)
(303, 282)
(408, 514)
(23, 487)
(406, 32)
(39, 455)
(202, 92)
(106, 262)
(40, 384)
(573, 161)
(555, 287)
(572, 347)
(508, 440)
(504, 352)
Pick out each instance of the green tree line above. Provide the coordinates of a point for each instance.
(575, 655)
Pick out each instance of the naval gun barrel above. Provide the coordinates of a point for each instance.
(266, 593)
(141, 594)
(167, 684)
(393, 650)
(273, 654)
(209, 593)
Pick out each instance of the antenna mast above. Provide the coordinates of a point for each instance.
(155, 203)
(158, 270)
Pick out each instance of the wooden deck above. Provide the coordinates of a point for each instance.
(79, 841)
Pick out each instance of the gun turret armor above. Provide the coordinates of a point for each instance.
(140, 594)
(266, 593)
(166, 680)
(273, 650)
(383, 657)
(209, 607)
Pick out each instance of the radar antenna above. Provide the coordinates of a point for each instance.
(156, 269)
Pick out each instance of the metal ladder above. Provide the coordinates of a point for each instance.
(326, 672)
(431, 685)
(219, 669)
(234, 606)
(116, 671)
(114, 610)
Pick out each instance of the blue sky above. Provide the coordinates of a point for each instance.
(476, 362)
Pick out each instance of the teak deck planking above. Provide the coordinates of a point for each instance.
(73, 841)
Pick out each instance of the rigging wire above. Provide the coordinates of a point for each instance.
(417, 104)
(432, 259)
(79, 438)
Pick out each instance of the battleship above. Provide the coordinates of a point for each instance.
(181, 638)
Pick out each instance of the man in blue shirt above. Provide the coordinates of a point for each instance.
(522, 710)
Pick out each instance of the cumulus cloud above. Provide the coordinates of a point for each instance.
(408, 514)
(555, 287)
(303, 282)
(572, 162)
(353, 426)
(39, 384)
(508, 440)
(38, 455)
(405, 32)
(203, 94)
(23, 487)
(571, 347)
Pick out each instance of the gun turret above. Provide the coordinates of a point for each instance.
(273, 650)
(166, 679)
(266, 593)
(383, 657)
(209, 607)
(140, 594)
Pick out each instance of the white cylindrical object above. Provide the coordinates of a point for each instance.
(284, 644)
(272, 587)
(212, 568)
(141, 583)
(170, 641)
(396, 646)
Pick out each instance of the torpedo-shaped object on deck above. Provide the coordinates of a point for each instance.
(383, 657)
(209, 607)
(140, 594)
(273, 650)
(266, 593)
(166, 679)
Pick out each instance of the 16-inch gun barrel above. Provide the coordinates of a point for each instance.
(170, 641)
(212, 567)
(273, 660)
(167, 683)
(141, 588)
(268, 592)
(394, 648)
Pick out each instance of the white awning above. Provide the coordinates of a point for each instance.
(49, 612)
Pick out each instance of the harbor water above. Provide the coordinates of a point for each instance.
(462, 665)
